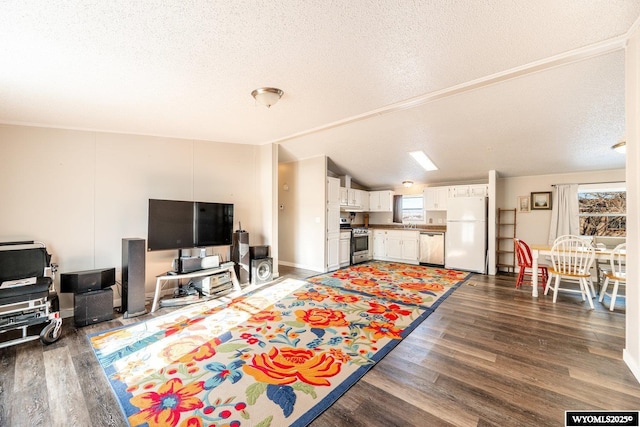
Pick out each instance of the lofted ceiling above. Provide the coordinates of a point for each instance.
(521, 87)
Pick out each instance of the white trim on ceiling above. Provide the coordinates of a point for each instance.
(566, 58)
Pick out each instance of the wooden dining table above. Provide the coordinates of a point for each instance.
(602, 254)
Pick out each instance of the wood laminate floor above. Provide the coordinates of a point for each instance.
(490, 355)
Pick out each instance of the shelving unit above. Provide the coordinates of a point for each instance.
(506, 232)
(170, 276)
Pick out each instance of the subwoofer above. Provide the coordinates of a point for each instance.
(240, 255)
(92, 307)
(261, 270)
(133, 274)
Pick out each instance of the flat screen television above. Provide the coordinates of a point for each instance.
(213, 224)
(177, 224)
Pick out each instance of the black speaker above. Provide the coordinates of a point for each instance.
(261, 251)
(261, 270)
(87, 280)
(240, 255)
(92, 307)
(133, 275)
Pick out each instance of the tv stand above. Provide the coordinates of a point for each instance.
(169, 276)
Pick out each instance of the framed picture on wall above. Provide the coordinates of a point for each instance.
(541, 200)
(523, 204)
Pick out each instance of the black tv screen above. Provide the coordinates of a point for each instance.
(176, 224)
(170, 225)
(213, 224)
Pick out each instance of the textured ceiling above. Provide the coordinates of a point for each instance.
(364, 81)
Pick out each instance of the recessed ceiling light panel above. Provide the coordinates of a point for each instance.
(423, 160)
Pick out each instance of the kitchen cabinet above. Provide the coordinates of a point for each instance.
(352, 198)
(378, 244)
(344, 196)
(381, 201)
(435, 198)
(333, 252)
(345, 248)
(364, 196)
(355, 197)
(396, 245)
(474, 190)
(333, 224)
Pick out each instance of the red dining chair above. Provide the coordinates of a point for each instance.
(523, 256)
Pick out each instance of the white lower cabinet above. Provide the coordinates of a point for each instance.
(345, 248)
(333, 251)
(396, 245)
(379, 251)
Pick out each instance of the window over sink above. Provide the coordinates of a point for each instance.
(413, 209)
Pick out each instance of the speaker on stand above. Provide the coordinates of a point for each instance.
(240, 255)
(133, 274)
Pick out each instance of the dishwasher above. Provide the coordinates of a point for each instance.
(432, 248)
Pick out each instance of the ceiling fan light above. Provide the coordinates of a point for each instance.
(267, 96)
(620, 147)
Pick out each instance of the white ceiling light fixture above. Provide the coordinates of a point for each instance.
(407, 183)
(423, 160)
(267, 96)
(620, 147)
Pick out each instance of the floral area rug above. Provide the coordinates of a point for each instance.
(277, 356)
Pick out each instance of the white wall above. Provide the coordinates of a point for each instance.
(632, 105)
(301, 222)
(533, 227)
(82, 192)
(267, 183)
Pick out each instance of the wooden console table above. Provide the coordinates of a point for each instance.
(168, 277)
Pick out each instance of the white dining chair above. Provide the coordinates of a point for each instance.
(571, 258)
(616, 273)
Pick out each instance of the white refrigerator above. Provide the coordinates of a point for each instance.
(466, 236)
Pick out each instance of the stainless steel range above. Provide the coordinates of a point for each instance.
(359, 245)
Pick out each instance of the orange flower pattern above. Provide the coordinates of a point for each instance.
(288, 365)
(286, 356)
(322, 317)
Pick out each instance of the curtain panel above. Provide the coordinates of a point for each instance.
(564, 212)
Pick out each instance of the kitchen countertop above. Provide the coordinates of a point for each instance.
(419, 227)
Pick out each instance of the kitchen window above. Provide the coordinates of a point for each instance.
(413, 209)
(603, 209)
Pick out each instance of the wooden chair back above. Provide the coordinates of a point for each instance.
(617, 261)
(523, 253)
(572, 256)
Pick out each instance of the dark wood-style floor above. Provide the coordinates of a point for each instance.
(490, 355)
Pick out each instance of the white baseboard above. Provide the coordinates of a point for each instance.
(304, 267)
(631, 363)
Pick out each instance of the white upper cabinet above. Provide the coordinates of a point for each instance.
(475, 190)
(355, 197)
(435, 198)
(333, 190)
(344, 196)
(364, 199)
(381, 201)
